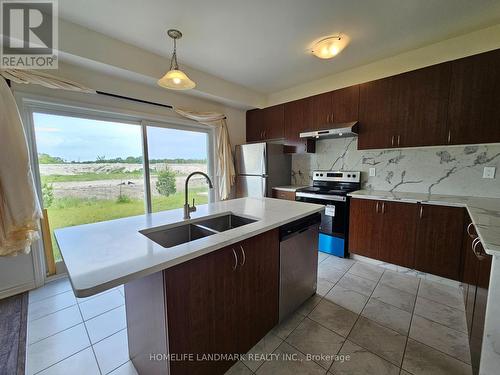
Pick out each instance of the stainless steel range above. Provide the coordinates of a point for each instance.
(331, 188)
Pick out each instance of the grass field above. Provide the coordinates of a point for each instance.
(65, 212)
(92, 176)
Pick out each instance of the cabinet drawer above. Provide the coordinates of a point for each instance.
(283, 194)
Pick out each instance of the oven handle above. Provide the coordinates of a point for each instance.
(333, 198)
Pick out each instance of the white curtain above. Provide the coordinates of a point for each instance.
(225, 166)
(43, 79)
(19, 206)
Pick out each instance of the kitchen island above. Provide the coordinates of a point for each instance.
(214, 293)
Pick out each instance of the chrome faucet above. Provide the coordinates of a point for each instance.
(187, 208)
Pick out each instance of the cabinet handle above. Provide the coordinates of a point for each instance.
(235, 260)
(480, 255)
(399, 139)
(376, 207)
(244, 255)
(421, 215)
(471, 235)
(392, 141)
(332, 117)
(383, 207)
(449, 136)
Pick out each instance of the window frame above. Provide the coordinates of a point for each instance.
(29, 104)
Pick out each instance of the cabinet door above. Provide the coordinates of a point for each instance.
(364, 227)
(254, 125)
(474, 113)
(346, 104)
(377, 115)
(298, 118)
(422, 105)
(322, 109)
(399, 226)
(258, 288)
(273, 122)
(439, 240)
(200, 297)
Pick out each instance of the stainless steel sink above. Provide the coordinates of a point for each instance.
(179, 234)
(225, 222)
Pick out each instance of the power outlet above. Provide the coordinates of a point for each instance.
(489, 172)
(372, 172)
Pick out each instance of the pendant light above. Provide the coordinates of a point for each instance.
(175, 79)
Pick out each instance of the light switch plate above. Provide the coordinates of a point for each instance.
(373, 173)
(489, 172)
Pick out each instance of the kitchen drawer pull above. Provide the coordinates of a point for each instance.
(421, 215)
(244, 255)
(399, 139)
(449, 136)
(471, 235)
(392, 141)
(235, 260)
(383, 207)
(479, 254)
(376, 207)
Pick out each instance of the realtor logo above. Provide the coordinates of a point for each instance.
(29, 34)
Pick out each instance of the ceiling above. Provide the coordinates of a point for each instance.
(262, 44)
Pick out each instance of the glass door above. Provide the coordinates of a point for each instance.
(90, 170)
(174, 154)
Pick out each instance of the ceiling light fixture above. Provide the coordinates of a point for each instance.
(330, 46)
(175, 79)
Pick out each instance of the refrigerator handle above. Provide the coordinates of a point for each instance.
(264, 160)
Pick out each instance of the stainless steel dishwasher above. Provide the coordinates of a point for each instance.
(298, 263)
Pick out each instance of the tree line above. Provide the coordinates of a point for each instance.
(44, 158)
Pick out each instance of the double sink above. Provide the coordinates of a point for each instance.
(194, 230)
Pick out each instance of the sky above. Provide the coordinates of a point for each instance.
(77, 139)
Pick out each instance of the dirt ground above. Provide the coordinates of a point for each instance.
(111, 189)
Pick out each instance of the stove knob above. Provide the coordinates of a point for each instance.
(348, 175)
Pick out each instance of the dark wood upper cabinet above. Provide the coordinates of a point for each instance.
(474, 112)
(439, 240)
(322, 111)
(264, 124)
(298, 118)
(346, 104)
(398, 234)
(421, 106)
(377, 117)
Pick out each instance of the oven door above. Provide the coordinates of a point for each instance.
(334, 217)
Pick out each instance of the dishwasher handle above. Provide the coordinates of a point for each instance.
(299, 226)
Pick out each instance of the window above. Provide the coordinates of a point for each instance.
(92, 169)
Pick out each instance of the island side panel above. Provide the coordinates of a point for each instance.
(146, 324)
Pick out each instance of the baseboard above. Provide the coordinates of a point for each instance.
(17, 289)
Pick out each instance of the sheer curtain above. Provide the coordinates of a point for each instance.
(225, 166)
(43, 79)
(19, 206)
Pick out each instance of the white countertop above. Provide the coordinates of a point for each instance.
(289, 187)
(484, 212)
(103, 255)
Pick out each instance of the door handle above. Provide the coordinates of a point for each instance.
(244, 256)
(399, 139)
(235, 260)
(449, 136)
(471, 235)
(392, 141)
(383, 207)
(376, 207)
(421, 214)
(480, 255)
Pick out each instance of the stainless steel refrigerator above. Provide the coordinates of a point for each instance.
(259, 168)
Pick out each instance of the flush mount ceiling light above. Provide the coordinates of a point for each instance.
(330, 46)
(175, 79)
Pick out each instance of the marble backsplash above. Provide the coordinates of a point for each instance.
(454, 170)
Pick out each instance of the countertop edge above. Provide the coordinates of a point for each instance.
(487, 249)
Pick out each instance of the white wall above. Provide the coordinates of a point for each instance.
(465, 45)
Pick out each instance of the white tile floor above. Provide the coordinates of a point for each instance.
(68, 335)
(388, 322)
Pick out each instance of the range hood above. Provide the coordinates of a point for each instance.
(344, 130)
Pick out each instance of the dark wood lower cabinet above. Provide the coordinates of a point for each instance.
(222, 303)
(383, 230)
(439, 240)
(399, 225)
